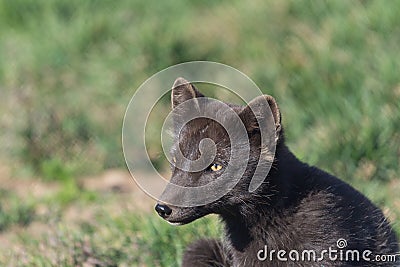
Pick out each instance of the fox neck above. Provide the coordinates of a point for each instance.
(262, 208)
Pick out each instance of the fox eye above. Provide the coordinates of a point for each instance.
(215, 167)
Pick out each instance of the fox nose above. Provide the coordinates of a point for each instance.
(163, 210)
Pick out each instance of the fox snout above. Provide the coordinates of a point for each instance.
(179, 215)
(163, 210)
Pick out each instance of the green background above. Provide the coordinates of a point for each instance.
(69, 68)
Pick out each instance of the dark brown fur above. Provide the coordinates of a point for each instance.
(297, 207)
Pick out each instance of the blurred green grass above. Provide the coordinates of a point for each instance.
(69, 68)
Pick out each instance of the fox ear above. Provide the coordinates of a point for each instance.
(256, 110)
(182, 90)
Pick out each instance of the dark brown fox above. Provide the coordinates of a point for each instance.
(297, 207)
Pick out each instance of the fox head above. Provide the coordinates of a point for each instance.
(188, 143)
